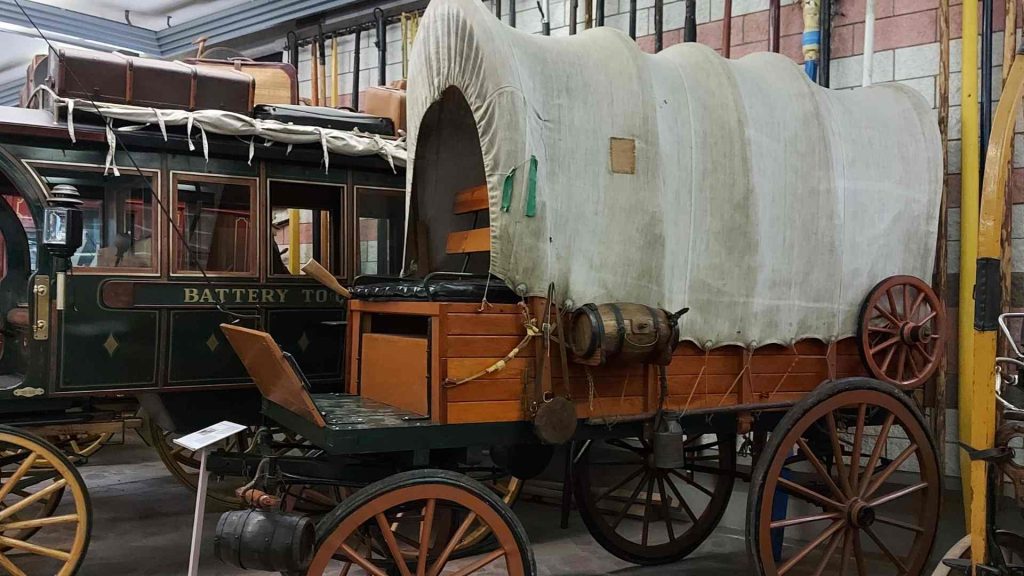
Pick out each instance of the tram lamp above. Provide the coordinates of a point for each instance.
(62, 221)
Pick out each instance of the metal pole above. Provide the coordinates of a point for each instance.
(774, 19)
(690, 24)
(573, 13)
(545, 17)
(727, 29)
(512, 13)
(973, 475)
(825, 54)
(382, 47)
(293, 49)
(322, 65)
(197, 523)
(294, 226)
(659, 25)
(986, 78)
(869, 42)
(497, 8)
(632, 19)
(355, 72)
(600, 13)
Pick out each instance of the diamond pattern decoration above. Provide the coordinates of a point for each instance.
(111, 344)
(212, 342)
(303, 342)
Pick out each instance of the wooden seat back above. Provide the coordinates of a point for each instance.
(470, 241)
(275, 377)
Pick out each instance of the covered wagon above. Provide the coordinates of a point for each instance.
(644, 257)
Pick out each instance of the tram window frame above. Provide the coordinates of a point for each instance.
(38, 168)
(338, 247)
(357, 261)
(177, 242)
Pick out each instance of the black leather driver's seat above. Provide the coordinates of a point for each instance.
(438, 287)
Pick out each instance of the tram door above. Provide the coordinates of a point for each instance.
(97, 346)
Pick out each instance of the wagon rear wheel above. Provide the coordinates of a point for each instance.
(902, 331)
(34, 475)
(401, 511)
(648, 515)
(848, 484)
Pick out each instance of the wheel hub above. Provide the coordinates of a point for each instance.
(913, 333)
(860, 514)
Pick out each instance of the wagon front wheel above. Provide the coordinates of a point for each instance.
(848, 484)
(402, 511)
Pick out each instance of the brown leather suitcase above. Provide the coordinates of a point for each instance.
(35, 75)
(119, 79)
(386, 102)
(276, 82)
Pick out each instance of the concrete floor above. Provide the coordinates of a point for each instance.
(143, 518)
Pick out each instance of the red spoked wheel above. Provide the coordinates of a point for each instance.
(848, 484)
(420, 517)
(902, 331)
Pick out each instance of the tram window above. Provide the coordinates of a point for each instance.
(381, 221)
(315, 212)
(118, 217)
(215, 215)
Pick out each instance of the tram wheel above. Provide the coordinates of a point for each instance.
(399, 510)
(902, 331)
(184, 465)
(79, 447)
(34, 476)
(848, 484)
(648, 515)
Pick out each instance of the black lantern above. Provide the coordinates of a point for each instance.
(62, 221)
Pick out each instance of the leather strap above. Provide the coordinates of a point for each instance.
(565, 356)
(542, 382)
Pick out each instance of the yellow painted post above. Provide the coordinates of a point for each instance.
(294, 224)
(972, 474)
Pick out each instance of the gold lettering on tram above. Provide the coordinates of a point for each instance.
(258, 296)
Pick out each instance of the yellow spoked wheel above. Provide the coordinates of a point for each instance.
(78, 447)
(34, 476)
(183, 464)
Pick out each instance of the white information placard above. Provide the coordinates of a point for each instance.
(198, 442)
(209, 435)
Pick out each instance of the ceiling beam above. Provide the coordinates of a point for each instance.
(10, 92)
(242, 20)
(72, 24)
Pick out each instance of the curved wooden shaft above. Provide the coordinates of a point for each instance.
(315, 270)
(977, 387)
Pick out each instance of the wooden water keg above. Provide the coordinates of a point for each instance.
(623, 333)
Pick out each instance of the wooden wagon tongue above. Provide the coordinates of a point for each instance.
(315, 270)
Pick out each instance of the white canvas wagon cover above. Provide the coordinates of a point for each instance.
(768, 205)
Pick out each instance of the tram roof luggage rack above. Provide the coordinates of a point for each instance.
(201, 124)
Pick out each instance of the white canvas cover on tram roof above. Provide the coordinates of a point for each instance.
(768, 205)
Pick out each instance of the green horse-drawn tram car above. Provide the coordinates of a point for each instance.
(641, 269)
(127, 236)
